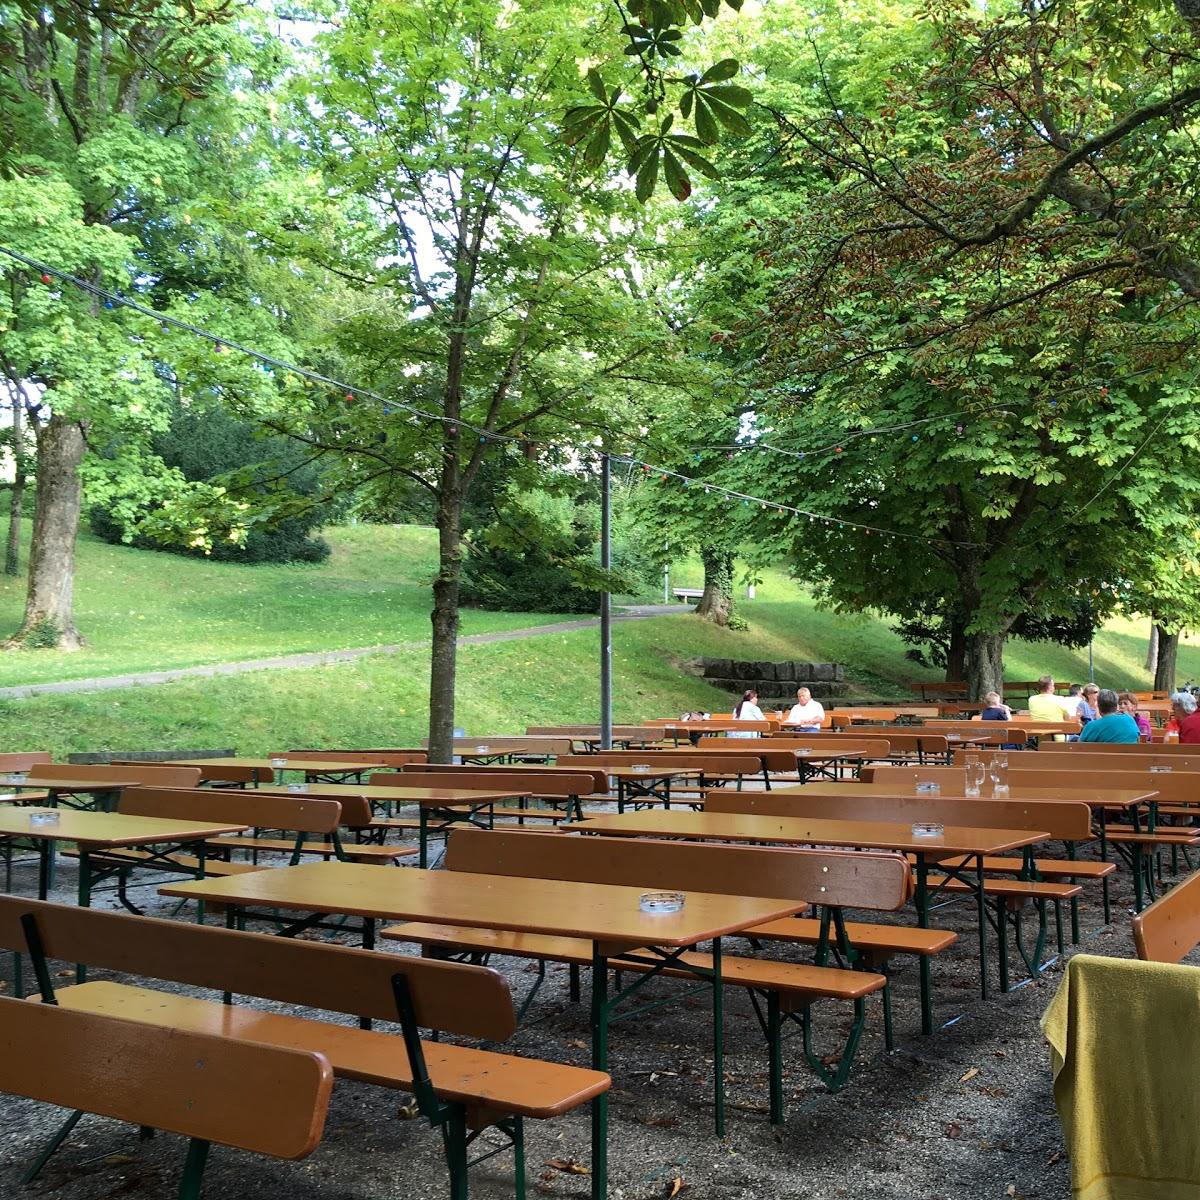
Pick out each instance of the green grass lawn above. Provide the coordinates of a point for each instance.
(143, 610)
(139, 610)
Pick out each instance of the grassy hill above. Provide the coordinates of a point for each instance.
(143, 610)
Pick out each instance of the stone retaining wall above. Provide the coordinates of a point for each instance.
(775, 680)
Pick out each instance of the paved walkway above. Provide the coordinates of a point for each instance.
(323, 658)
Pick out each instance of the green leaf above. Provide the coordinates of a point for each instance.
(627, 129)
(597, 147)
(693, 159)
(731, 93)
(727, 68)
(685, 104)
(712, 8)
(706, 125)
(731, 118)
(647, 177)
(677, 179)
(596, 85)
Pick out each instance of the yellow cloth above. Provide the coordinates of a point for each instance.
(1046, 706)
(1125, 1051)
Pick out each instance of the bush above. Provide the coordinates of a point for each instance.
(201, 445)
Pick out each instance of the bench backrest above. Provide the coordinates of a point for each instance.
(1081, 761)
(297, 813)
(1069, 821)
(269, 1099)
(160, 775)
(451, 997)
(841, 717)
(482, 779)
(843, 879)
(724, 761)
(598, 778)
(1170, 928)
(92, 757)
(22, 762)
(389, 758)
(515, 744)
(619, 732)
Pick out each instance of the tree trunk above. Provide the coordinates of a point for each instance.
(1168, 649)
(984, 664)
(49, 602)
(716, 604)
(12, 554)
(1152, 649)
(443, 663)
(956, 650)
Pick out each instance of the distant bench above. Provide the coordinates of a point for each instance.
(687, 593)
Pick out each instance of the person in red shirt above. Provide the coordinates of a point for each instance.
(1183, 705)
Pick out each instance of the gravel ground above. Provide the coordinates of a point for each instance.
(963, 1114)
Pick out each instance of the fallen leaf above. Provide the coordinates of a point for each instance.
(568, 1166)
(969, 1075)
(1055, 1157)
(677, 1186)
(664, 1122)
(1011, 1190)
(408, 1112)
(577, 1044)
(119, 1160)
(953, 1129)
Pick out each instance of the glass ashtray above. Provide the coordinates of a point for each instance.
(16, 777)
(1157, 769)
(43, 818)
(482, 749)
(279, 762)
(928, 829)
(643, 767)
(929, 785)
(660, 902)
(804, 749)
(297, 787)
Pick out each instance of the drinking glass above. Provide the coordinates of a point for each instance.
(974, 777)
(999, 776)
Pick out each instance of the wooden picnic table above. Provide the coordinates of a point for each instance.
(101, 792)
(635, 786)
(608, 915)
(322, 768)
(96, 830)
(966, 843)
(1098, 797)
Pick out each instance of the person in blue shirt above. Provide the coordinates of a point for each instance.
(1111, 725)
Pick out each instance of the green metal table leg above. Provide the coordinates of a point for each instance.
(85, 900)
(599, 1063)
(52, 1146)
(981, 913)
(718, 1039)
(454, 1135)
(423, 858)
(922, 901)
(193, 1170)
(775, 1057)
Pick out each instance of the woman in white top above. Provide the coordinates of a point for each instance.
(807, 713)
(747, 709)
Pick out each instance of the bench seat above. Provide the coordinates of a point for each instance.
(874, 939)
(187, 863)
(797, 983)
(353, 851)
(1048, 868)
(482, 1079)
(1011, 889)
(1171, 836)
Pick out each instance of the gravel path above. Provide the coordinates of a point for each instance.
(323, 658)
(962, 1115)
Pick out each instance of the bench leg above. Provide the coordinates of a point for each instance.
(454, 1137)
(573, 984)
(718, 1038)
(834, 1080)
(193, 1169)
(599, 1063)
(1002, 939)
(64, 1132)
(889, 1042)
(774, 1032)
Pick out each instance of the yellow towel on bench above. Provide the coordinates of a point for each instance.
(1125, 1051)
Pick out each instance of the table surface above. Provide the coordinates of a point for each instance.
(599, 911)
(1096, 797)
(417, 794)
(289, 764)
(800, 831)
(109, 829)
(653, 773)
(69, 783)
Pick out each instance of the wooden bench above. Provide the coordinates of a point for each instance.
(210, 1088)
(831, 879)
(1069, 822)
(22, 762)
(513, 747)
(458, 1089)
(565, 791)
(299, 814)
(1170, 928)
(724, 764)
(231, 776)
(682, 594)
(152, 774)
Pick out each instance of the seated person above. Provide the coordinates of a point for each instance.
(1127, 703)
(1045, 706)
(1183, 705)
(1087, 710)
(995, 709)
(747, 709)
(1110, 725)
(1073, 699)
(807, 713)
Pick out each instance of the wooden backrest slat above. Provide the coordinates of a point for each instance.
(269, 1099)
(22, 762)
(725, 760)
(872, 745)
(299, 813)
(452, 997)
(1170, 928)
(845, 879)
(502, 775)
(389, 758)
(482, 779)
(1069, 820)
(167, 776)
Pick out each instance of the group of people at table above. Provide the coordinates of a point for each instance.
(1104, 715)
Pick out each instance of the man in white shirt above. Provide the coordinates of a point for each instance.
(807, 713)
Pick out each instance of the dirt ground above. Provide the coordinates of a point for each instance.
(963, 1114)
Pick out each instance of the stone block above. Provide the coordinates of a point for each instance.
(823, 672)
(717, 668)
(767, 670)
(801, 671)
(839, 672)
